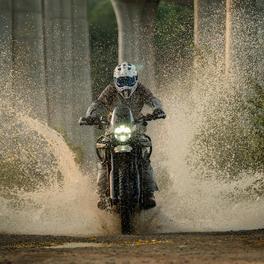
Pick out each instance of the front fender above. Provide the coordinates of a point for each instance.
(123, 149)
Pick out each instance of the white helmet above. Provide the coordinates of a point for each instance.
(126, 79)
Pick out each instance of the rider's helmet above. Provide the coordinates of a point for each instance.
(126, 79)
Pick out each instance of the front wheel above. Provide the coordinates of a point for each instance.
(126, 211)
(126, 219)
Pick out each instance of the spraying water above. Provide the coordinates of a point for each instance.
(211, 146)
(203, 186)
(61, 200)
(201, 198)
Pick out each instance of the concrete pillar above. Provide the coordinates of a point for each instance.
(58, 51)
(241, 39)
(82, 90)
(197, 22)
(5, 46)
(136, 28)
(67, 64)
(68, 70)
(28, 56)
(209, 27)
(52, 31)
(260, 42)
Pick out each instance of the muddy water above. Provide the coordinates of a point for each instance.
(59, 200)
(241, 247)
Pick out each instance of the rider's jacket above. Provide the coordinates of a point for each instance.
(110, 98)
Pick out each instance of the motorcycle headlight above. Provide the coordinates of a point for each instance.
(122, 133)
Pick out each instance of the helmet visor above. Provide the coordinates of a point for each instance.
(126, 81)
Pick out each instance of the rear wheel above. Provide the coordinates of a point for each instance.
(126, 211)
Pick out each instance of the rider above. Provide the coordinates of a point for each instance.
(126, 89)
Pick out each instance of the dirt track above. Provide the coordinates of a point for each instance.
(232, 247)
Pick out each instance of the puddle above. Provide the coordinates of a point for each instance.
(139, 242)
(81, 245)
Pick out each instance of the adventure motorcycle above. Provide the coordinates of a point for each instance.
(123, 148)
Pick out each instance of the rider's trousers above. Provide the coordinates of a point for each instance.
(149, 183)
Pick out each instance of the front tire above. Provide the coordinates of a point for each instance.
(124, 194)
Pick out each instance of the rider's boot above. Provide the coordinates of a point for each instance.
(149, 185)
(101, 186)
(149, 200)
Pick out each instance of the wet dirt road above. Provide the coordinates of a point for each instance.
(229, 247)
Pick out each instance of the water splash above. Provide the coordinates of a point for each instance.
(207, 150)
(200, 195)
(196, 194)
(62, 203)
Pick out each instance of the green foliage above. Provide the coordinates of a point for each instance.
(103, 31)
(173, 39)
(254, 107)
(174, 28)
(231, 138)
(102, 21)
(174, 35)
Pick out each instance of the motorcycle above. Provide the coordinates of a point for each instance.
(123, 148)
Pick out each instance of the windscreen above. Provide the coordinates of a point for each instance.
(122, 115)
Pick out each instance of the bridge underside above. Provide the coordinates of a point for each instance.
(228, 29)
(45, 60)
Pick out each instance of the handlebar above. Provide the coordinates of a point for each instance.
(92, 121)
(150, 117)
(96, 121)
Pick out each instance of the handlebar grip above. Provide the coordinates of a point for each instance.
(163, 116)
(150, 117)
(83, 121)
(92, 121)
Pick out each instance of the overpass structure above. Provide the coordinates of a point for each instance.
(44, 49)
(226, 28)
(45, 62)
(232, 30)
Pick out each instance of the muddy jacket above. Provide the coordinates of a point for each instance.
(110, 98)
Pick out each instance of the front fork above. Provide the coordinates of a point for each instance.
(113, 194)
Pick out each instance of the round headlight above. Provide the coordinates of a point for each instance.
(122, 133)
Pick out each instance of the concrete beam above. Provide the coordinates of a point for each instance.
(5, 46)
(68, 69)
(241, 38)
(52, 32)
(28, 56)
(58, 50)
(82, 89)
(136, 36)
(260, 42)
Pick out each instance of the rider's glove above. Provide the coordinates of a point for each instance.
(159, 113)
(82, 121)
(89, 120)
